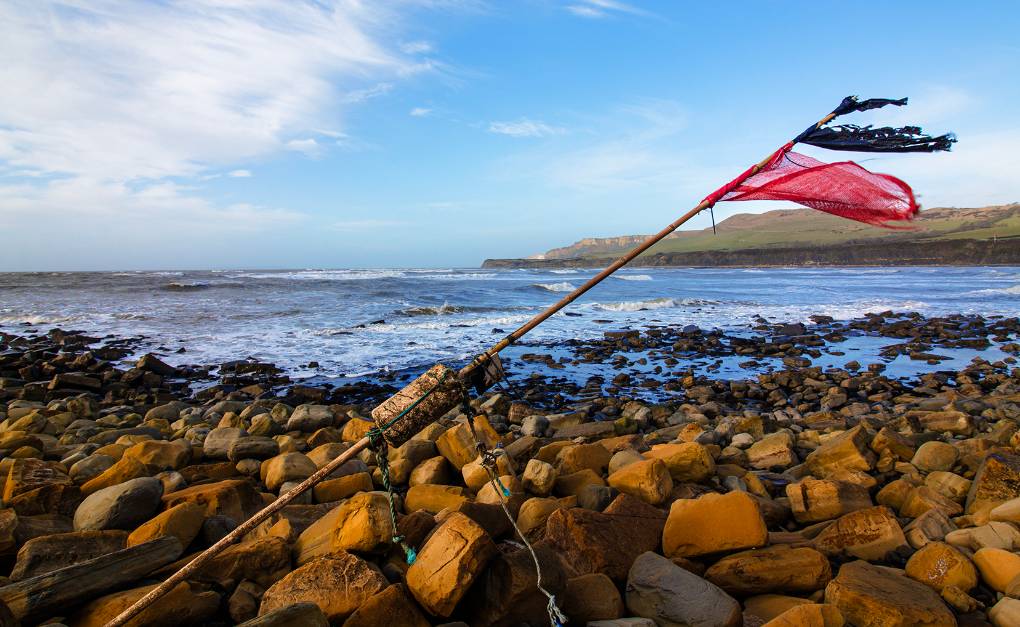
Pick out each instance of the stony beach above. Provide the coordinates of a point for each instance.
(663, 495)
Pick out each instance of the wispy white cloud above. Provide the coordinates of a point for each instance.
(420, 112)
(239, 174)
(113, 100)
(597, 9)
(417, 47)
(525, 128)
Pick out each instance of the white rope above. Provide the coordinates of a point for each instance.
(556, 617)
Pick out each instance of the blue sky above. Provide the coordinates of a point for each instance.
(255, 133)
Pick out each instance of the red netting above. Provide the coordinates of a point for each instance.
(844, 189)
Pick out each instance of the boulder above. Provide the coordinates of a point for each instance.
(363, 524)
(997, 567)
(846, 451)
(773, 451)
(868, 534)
(433, 498)
(809, 615)
(592, 597)
(997, 480)
(874, 596)
(647, 480)
(126, 469)
(236, 499)
(539, 477)
(119, 507)
(713, 523)
(574, 458)
(673, 597)
(46, 554)
(773, 569)
(935, 455)
(1005, 613)
(286, 467)
(332, 490)
(339, 584)
(392, 607)
(309, 418)
(217, 442)
(161, 454)
(688, 462)
(449, 562)
(263, 560)
(182, 521)
(815, 500)
(183, 605)
(939, 565)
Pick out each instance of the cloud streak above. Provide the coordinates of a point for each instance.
(525, 128)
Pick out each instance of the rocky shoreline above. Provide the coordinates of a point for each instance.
(802, 496)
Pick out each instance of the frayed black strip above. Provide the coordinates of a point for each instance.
(884, 139)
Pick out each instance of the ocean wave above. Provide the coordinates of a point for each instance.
(194, 286)
(326, 275)
(442, 310)
(1012, 291)
(632, 277)
(38, 319)
(555, 287)
(565, 271)
(655, 303)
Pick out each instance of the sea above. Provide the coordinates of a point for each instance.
(346, 324)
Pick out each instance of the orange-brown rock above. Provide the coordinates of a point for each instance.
(125, 469)
(433, 498)
(184, 604)
(594, 457)
(449, 562)
(647, 480)
(773, 569)
(845, 451)
(332, 490)
(363, 523)
(873, 596)
(997, 567)
(339, 584)
(592, 597)
(815, 500)
(264, 560)
(997, 481)
(686, 461)
(236, 499)
(457, 444)
(940, 565)
(713, 523)
(161, 454)
(182, 521)
(393, 607)
(809, 615)
(866, 534)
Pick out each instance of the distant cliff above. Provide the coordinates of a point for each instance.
(952, 252)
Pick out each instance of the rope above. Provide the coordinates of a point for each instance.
(556, 616)
(377, 444)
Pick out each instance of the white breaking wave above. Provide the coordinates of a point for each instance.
(556, 287)
(633, 277)
(655, 303)
(997, 290)
(565, 271)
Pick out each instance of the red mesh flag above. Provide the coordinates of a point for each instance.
(844, 189)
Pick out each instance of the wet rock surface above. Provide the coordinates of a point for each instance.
(804, 495)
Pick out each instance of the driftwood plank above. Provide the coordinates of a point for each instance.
(54, 591)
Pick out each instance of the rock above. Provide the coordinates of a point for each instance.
(815, 500)
(339, 584)
(236, 499)
(434, 470)
(647, 480)
(433, 498)
(46, 554)
(592, 597)
(182, 521)
(955, 422)
(26, 475)
(125, 469)
(846, 451)
(363, 524)
(574, 483)
(873, 596)
(996, 481)
(931, 526)
(997, 567)
(809, 615)
(448, 563)
(952, 486)
(393, 607)
(119, 507)
(765, 607)
(772, 451)
(263, 560)
(577, 457)
(539, 477)
(160, 454)
(317, 539)
(867, 534)
(1007, 512)
(286, 467)
(505, 593)
(309, 418)
(687, 461)
(606, 542)
(253, 447)
(457, 444)
(935, 455)
(332, 490)
(939, 565)
(218, 442)
(994, 535)
(713, 523)
(774, 569)
(673, 597)
(182, 605)
(534, 512)
(296, 615)
(244, 602)
(1005, 613)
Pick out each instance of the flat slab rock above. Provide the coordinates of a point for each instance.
(874, 596)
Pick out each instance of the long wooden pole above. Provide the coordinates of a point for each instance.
(363, 443)
(601, 276)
